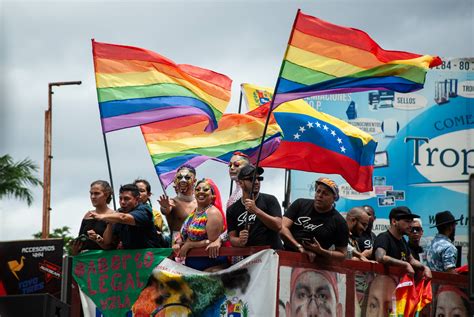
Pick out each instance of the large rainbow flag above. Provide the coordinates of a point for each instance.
(317, 142)
(171, 144)
(324, 58)
(136, 86)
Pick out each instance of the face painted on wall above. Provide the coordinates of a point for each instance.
(235, 165)
(184, 181)
(312, 296)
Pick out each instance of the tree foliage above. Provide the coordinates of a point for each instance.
(17, 177)
(60, 233)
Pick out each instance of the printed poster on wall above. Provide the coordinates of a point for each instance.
(248, 288)
(425, 149)
(31, 266)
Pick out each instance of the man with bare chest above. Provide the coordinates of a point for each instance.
(176, 209)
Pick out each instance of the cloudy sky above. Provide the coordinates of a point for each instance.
(48, 41)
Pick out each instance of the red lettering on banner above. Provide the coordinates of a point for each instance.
(118, 286)
(103, 304)
(102, 264)
(129, 282)
(137, 260)
(115, 262)
(125, 257)
(91, 268)
(148, 259)
(90, 291)
(139, 283)
(79, 270)
(126, 302)
(102, 283)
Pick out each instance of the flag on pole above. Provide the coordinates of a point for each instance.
(256, 96)
(317, 142)
(324, 58)
(171, 144)
(136, 86)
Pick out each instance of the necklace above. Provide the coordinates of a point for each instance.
(204, 209)
(186, 198)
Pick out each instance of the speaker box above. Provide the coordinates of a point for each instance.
(41, 305)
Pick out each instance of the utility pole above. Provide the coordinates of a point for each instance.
(48, 129)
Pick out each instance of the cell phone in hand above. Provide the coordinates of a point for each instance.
(82, 238)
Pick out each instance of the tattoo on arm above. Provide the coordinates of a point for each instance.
(379, 255)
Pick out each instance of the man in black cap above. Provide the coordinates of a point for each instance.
(390, 247)
(442, 254)
(256, 220)
(314, 226)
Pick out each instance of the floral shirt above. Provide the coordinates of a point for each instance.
(442, 254)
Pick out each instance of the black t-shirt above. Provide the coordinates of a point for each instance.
(328, 228)
(366, 240)
(415, 250)
(397, 249)
(92, 224)
(143, 234)
(259, 234)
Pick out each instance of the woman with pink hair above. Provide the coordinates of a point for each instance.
(202, 228)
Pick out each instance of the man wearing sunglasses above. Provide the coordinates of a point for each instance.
(255, 219)
(178, 208)
(236, 163)
(414, 238)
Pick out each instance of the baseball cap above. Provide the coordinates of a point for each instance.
(248, 170)
(402, 212)
(331, 184)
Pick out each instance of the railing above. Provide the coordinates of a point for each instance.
(293, 259)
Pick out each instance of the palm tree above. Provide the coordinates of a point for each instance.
(15, 178)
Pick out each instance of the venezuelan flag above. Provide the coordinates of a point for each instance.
(324, 58)
(136, 86)
(171, 144)
(317, 142)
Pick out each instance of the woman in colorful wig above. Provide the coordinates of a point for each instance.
(202, 229)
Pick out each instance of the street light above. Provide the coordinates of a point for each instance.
(47, 156)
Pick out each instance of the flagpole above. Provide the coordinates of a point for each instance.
(240, 109)
(110, 169)
(270, 111)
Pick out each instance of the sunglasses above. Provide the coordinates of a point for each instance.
(234, 164)
(260, 178)
(416, 229)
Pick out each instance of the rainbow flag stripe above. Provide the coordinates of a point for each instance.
(136, 86)
(324, 58)
(171, 144)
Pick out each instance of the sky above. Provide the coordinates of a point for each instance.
(50, 41)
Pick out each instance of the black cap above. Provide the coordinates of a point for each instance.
(443, 218)
(248, 170)
(402, 212)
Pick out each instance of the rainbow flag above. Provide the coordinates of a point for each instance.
(136, 86)
(324, 58)
(171, 144)
(317, 142)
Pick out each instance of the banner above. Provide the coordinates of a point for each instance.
(114, 279)
(425, 149)
(31, 266)
(247, 288)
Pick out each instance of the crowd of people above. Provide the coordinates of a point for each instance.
(195, 218)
